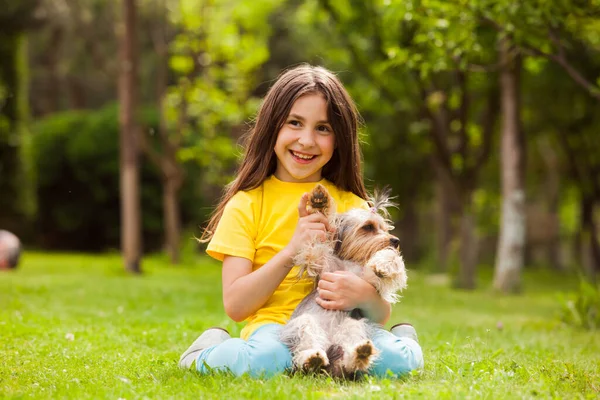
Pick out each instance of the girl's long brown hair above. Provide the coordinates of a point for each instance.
(260, 161)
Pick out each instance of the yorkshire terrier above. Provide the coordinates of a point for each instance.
(338, 342)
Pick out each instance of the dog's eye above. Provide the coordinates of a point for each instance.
(369, 227)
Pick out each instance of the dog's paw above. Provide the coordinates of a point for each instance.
(386, 263)
(360, 357)
(311, 360)
(320, 201)
(388, 273)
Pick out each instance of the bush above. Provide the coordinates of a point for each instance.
(76, 158)
(582, 308)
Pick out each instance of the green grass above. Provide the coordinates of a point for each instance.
(128, 332)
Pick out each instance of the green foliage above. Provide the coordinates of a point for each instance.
(76, 158)
(401, 61)
(216, 57)
(569, 213)
(570, 123)
(108, 335)
(582, 308)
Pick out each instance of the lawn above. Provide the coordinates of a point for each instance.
(76, 326)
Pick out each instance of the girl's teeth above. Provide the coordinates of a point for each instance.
(302, 156)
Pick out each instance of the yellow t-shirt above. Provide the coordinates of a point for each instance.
(258, 224)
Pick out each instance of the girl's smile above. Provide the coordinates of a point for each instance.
(301, 157)
(305, 142)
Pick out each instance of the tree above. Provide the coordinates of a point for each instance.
(511, 243)
(578, 140)
(171, 170)
(544, 30)
(16, 201)
(214, 59)
(72, 57)
(427, 57)
(129, 145)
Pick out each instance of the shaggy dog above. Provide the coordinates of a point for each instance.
(338, 342)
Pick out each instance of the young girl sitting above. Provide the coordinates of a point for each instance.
(306, 132)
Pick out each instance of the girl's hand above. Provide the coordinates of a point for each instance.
(309, 226)
(343, 290)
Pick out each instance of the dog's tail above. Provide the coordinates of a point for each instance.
(335, 352)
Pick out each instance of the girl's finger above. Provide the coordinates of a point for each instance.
(326, 294)
(327, 304)
(316, 226)
(327, 276)
(302, 212)
(326, 285)
(318, 217)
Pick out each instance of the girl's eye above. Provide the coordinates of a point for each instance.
(294, 122)
(323, 128)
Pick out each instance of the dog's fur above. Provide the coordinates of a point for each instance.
(338, 342)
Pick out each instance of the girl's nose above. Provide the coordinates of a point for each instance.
(306, 138)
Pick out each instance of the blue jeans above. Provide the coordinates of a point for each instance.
(264, 355)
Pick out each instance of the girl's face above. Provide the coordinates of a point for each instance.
(306, 141)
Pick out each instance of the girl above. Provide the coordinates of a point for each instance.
(306, 132)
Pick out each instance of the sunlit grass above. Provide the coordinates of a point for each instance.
(77, 326)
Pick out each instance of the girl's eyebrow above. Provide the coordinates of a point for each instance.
(301, 118)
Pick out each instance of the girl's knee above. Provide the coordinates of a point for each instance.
(269, 359)
(241, 357)
(262, 355)
(400, 357)
(222, 357)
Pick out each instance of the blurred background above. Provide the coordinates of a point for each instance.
(483, 117)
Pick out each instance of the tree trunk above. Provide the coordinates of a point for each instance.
(511, 243)
(172, 172)
(552, 189)
(443, 218)
(76, 91)
(129, 146)
(590, 245)
(595, 244)
(171, 219)
(27, 200)
(15, 186)
(468, 248)
(409, 231)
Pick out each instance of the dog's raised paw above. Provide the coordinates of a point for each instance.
(320, 201)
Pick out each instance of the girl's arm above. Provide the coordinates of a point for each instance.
(375, 308)
(343, 290)
(245, 291)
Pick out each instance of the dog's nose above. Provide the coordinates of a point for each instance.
(395, 242)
